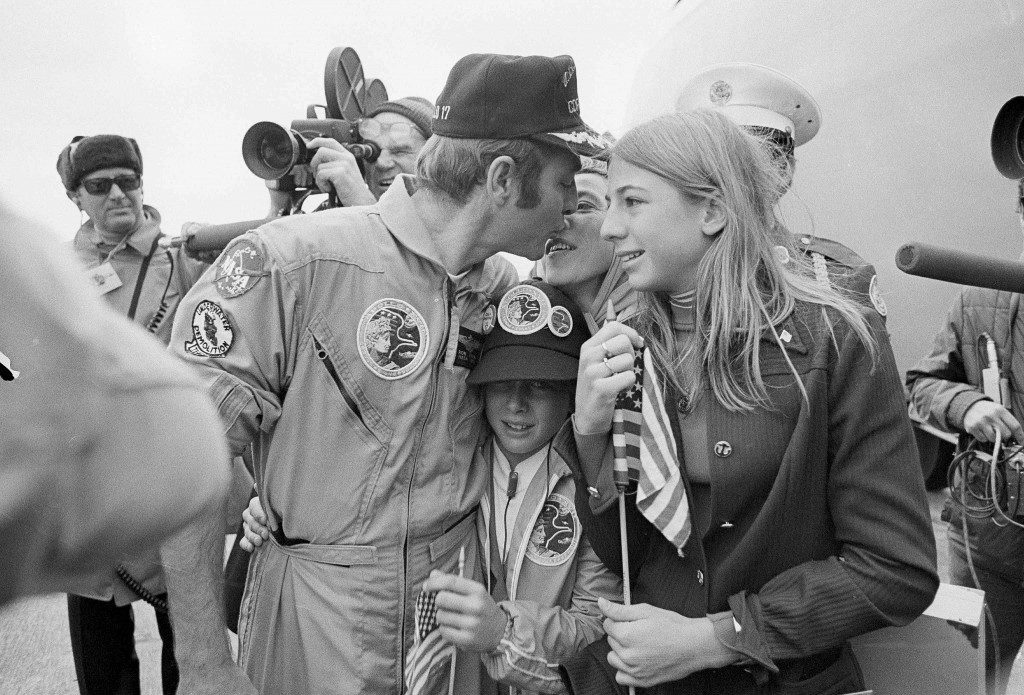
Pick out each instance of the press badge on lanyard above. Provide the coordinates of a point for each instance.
(104, 278)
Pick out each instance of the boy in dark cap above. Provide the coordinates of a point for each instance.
(538, 602)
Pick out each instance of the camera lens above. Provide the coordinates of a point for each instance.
(276, 152)
(271, 151)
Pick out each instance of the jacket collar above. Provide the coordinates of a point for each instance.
(141, 239)
(398, 214)
(792, 333)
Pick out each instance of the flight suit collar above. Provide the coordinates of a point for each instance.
(399, 215)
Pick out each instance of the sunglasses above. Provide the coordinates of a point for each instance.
(128, 182)
(370, 129)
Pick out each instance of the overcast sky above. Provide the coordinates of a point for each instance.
(187, 78)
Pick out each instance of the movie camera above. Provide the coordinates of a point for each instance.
(281, 155)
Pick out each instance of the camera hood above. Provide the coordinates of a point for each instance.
(1008, 139)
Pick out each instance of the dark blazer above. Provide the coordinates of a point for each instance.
(816, 524)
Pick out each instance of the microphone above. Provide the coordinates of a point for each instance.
(513, 484)
(964, 268)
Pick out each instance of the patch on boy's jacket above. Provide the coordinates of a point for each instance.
(392, 338)
(556, 534)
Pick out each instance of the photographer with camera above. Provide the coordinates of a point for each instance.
(399, 128)
(948, 391)
(344, 355)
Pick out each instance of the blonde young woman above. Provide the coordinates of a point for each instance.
(799, 517)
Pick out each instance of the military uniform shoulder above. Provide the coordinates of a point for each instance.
(342, 234)
(832, 250)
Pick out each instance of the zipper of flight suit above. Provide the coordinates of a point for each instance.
(412, 475)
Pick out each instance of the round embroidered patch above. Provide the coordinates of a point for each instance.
(721, 93)
(782, 254)
(489, 319)
(876, 297)
(393, 338)
(560, 321)
(556, 534)
(523, 310)
(211, 331)
(240, 269)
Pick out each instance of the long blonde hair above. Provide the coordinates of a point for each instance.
(742, 286)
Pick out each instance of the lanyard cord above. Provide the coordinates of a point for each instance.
(141, 277)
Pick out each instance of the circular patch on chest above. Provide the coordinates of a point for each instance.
(556, 535)
(393, 339)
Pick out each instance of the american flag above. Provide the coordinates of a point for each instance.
(642, 436)
(428, 664)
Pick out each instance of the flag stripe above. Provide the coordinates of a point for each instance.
(642, 434)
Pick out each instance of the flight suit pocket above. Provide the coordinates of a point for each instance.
(359, 411)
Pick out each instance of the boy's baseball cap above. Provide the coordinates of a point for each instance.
(538, 335)
(507, 97)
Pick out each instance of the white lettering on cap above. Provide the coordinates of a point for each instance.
(574, 105)
(582, 136)
(441, 112)
(567, 75)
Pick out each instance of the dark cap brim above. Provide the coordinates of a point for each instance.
(514, 362)
(584, 141)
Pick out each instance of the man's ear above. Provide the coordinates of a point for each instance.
(501, 181)
(714, 217)
(73, 197)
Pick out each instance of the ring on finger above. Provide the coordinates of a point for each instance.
(611, 372)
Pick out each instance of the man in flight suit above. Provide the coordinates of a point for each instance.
(340, 343)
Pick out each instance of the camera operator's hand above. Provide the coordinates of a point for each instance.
(985, 417)
(336, 168)
(280, 200)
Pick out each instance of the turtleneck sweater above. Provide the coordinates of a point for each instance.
(692, 413)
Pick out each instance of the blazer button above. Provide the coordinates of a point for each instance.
(700, 577)
(723, 449)
(593, 491)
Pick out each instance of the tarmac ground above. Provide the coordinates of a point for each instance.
(35, 651)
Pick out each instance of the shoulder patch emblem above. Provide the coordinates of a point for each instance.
(876, 297)
(239, 270)
(393, 338)
(560, 321)
(556, 535)
(211, 331)
(489, 319)
(524, 310)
